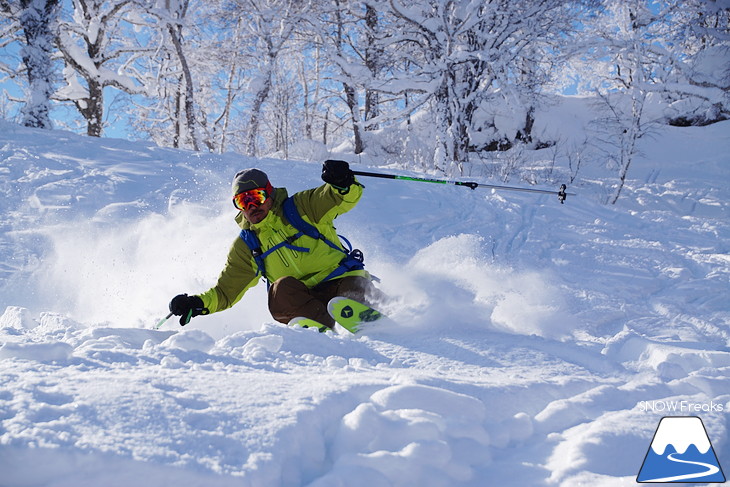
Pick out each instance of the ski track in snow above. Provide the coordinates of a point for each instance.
(525, 335)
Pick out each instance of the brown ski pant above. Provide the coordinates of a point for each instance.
(291, 298)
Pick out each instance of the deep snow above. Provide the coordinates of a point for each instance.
(530, 343)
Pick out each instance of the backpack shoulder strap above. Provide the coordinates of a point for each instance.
(352, 260)
(295, 219)
(250, 238)
(291, 212)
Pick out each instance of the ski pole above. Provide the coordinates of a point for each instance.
(162, 321)
(469, 184)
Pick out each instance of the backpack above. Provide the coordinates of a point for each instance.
(351, 260)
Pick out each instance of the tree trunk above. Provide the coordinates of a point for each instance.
(629, 140)
(189, 91)
(372, 62)
(325, 126)
(253, 126)
(227, 110)
(352, 105)
(92, 109)
(445, 144)
(37, 18)
(350, 97)
(177, 126)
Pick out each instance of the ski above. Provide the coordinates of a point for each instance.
(308, 323)
(351, 314)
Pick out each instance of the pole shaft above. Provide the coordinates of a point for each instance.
(468, 184)
(411, 178)
(162, 321)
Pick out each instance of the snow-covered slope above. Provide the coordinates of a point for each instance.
(530, 343)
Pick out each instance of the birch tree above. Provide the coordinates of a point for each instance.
(627, 79)
(231, 87)
(173, 16)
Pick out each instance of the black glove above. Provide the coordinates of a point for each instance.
(338, 174)
(186, 307)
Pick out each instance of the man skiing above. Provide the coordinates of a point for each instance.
(303, 272)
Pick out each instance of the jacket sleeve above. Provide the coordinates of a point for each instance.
(325, 203)
(237, 277)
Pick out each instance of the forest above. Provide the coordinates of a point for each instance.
(441, 86)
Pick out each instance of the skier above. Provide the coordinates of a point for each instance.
(303, 273)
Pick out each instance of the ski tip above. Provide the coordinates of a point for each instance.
(303, 322)
(337, 299)
(351, 314)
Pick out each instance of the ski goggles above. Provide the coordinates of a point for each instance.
(252, 198)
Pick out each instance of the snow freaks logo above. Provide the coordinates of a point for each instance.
(680, 452)
(681, 407)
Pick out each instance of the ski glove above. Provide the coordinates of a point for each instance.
(186, 307)
(338, 174)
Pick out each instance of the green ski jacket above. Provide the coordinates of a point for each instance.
(318, 206)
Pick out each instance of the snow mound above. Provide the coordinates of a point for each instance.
(410, 434)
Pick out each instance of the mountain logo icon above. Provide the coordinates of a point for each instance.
(680, 452)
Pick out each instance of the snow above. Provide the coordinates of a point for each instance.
(528, 342)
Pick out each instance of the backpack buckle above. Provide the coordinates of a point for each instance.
(357, 255)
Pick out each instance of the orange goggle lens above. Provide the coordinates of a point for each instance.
(250, 199)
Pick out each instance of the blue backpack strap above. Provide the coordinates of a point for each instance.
(352, 260)
(295, 219)
(250, 238)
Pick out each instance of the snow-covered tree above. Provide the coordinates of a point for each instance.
(173, 15)
(684, 52)
(224, 126)
(98, 53)
(340, 44)
(652, 62)
(308, 69)
(469, 55)
(170, 113)
(624, 88)
(37, 20)
(374, 61)
(353, 40)
(267, 27)
(697, 37)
